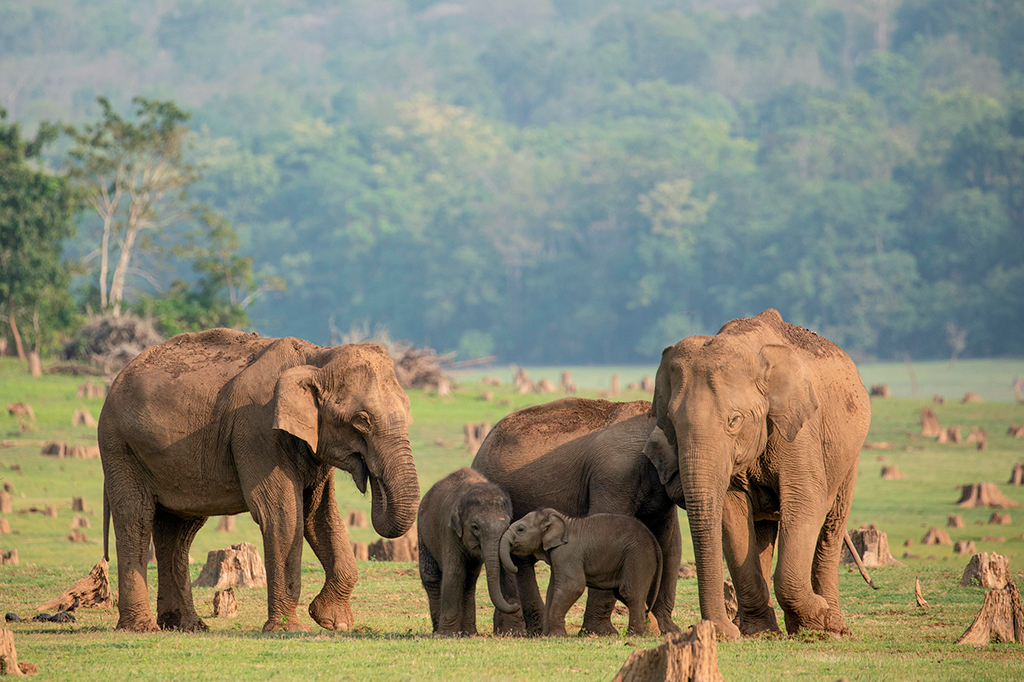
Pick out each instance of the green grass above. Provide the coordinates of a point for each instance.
(893, 639)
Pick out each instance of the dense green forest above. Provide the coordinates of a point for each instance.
(575, 181)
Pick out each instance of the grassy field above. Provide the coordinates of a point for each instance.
(893, 639)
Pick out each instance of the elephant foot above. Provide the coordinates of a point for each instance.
(601, 628)
(138, 625)
(755, 624)
(662, 625)
(182, 622)
(285, 624)
(331, 614)
(822, 618)
(727, 631)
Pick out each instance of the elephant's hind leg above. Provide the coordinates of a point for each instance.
(597, 617)
(328, 536)
(825, 567)
(172, 538)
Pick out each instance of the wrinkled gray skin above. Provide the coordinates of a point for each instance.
(603, 551)
(583, 457)
(461, 520)
(221, 422)
(768, 420)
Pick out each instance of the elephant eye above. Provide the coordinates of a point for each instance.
(735, 420)
(475, 527)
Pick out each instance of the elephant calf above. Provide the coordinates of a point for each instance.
(460, 524)
(603, 551)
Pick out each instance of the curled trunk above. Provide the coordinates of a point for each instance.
(493, 567)
(394, 488)
(505, 551)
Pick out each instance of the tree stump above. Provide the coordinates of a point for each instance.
(54, 449)
(8, 655)
(9, 558)
(1017, 475)
(1000, 519)
(921, 601)
(35, 364)
(5, 527)
(6, 505)
(50, 511)
(1001, 618)
(78, 504)
(872, 545)
(934, 536)
(964, 547)
(361, 551)
(950, 435)
(224, 604)
(684, 656)
(24, 413)
(490, 381)
(83, 452)
(929, 423)
(91, 390)
(971, 397)
(444, 388)
(955, 521)
(93, 592)
(519, 379)
(880, 391)
(356, 519)
(647, 384)
(405, 548)
(487, 396)
(474, 435)
(80, 521)
(615, 384)
(891, 473)
(527, 387)
(984, 495)
(939, 399)
(987, 569)
(545, 386)
(240, 564)
(1015, 431)
(226, 525)
(565, 381)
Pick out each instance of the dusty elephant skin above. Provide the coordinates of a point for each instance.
(583, 457)
(220, 422)
(603, 551)
(460, 524)
(768, 420)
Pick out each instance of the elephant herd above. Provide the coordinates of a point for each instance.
(755, 432)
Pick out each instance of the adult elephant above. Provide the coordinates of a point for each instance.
(767, 420)
(583, 457)
(222, 422)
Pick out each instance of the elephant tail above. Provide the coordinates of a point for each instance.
(652, 594)
(106, 525)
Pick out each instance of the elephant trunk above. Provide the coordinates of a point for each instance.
(493, 567)
(394, 486)
(505, 551)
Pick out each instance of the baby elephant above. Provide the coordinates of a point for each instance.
(460, 524)
(602, 551)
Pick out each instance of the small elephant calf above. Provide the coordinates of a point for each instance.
(602, 551)
(460, 524)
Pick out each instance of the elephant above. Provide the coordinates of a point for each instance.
(767, 420)
(220, 422)
(604, 551)
(583, 457)
(460, 523)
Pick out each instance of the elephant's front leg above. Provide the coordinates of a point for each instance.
(328, 536)
(743, 555)
(453, 585)
(469, 599)
(172, 538)
(671, 543)
(564, 590)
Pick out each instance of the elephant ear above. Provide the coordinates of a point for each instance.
(554, 531)
(791, 397)
(662, 396)
(295, 407)
(455, 522)
(665, 459)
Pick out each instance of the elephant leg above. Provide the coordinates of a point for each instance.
(802, 516)
(564, 590)
(468, 626)
(597, 617)
(531, 602)
(671, 543)
(633, 594)
(430, 576)
(743, 557)
(825, 567)
(509, 623)
(765, 533)
(327, 535)
(172, 538)
(453, 583)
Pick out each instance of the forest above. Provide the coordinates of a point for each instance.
(546, 181)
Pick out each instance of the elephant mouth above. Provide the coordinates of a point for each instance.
(360, 473)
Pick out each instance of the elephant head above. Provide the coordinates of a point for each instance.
(717, 399)
(540, 530)
(350, 410)
(480, 518)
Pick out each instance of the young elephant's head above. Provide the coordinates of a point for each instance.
(543, 529)
(480, 518)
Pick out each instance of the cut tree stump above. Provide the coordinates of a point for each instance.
(545, 386)
(891, 473)
(490, 381)
(9, 558)
(487, 396)
(964, 547)
(984, 495)
(80, 522)
(1001, 619)
(5, 527)
(1015, 431)
(226, 525)
(681, 657)
(873, 546)
(77, 535)
(1000, 519)
(987, 569)
(405, 548)
(565, 381)
(224, 604)
(55, 449)
(921, 601)
(444, 388)
(240, 564)
(361, 551)
(6, 506)
(356, 519)
(8, 655)
(978, 435)
(93, 590)
(955, 521)
(615, 384)
(880, 391)
(91, 390)
(971, 397)
(1017, 475)
(939, 399)
(82, 417)
(934, 536)
(929, 423)
(78, 504)
(647, 384)
(51, 511)
(951, 435)
(474, 435)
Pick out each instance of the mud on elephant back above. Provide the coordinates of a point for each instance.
(221, 422)
(766, 420)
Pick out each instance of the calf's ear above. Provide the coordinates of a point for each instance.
(553, 531)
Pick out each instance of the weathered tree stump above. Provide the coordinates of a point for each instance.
(474, 435)
(9, 558)
(683, 656)
(8, 655)
(987, 569)
(82, 418)
(405, 548)
(935, 536)
(545, 386)
(50, 511)
(527, 387)
(951, 435)
(226, 525)
(1001, 618)
(647, 384)
(880, 391)
(361, 551)
(971, 397)
(1017, 475)
(964, 547)
(357, 519)
(91, 390)
(1000, 519)
(918, 595)
(77, 535)
(444, 388)
(565, 381)
(978, 435)
(615, 384)
(93, 592)
(224, 604)
(55, 449)
(519, 379)
(892, 473)
(78, 504)
(80, 521)
(929, 424)
(24, 413)
(487, 396)
(955, 521)
(240, 564)
(872, 545)
(490, 381)
(5, 527)
(1015, 431)
(939, 399)
(984, 495)
(6, 504)
(83, 452)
